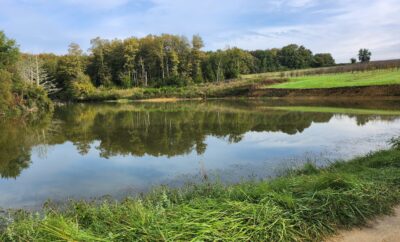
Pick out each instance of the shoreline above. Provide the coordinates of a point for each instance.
(384, 91)
(306, 204)
(253, 91)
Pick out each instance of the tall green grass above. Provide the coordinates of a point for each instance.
(306, 204)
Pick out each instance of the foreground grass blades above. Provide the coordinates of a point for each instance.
(305, 205)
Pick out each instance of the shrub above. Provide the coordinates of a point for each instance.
(5, 91)
(81, 87)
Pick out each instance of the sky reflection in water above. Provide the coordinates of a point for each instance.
(86, 151)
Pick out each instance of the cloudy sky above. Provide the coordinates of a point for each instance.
(337, 26)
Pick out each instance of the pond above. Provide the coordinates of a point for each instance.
(85, 151)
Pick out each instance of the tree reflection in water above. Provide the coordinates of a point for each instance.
(138, 129)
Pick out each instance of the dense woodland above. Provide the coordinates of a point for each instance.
(168, 60)
(151, 61)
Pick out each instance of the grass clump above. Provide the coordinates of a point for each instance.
(306, 205)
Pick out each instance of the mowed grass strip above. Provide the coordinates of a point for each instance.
(368, 78)
(307, 204)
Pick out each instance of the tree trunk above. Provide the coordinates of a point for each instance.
(218, 70)
(167, 65)
(37, 72)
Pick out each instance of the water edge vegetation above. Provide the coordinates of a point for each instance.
(306, 204)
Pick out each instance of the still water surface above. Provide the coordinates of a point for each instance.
(89, 150)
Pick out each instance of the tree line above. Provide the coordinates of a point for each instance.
(151, 61)
(165, 60)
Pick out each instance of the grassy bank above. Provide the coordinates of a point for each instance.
(236, 88)
(305, 205)
(348, 79)
(246, 86)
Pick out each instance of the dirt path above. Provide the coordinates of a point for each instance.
(385, 229)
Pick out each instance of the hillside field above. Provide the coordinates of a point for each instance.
(348, 79)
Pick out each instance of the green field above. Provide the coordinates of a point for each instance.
(307, 204)
(368, 78)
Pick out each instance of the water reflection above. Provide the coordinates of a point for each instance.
(141, 143)
(167, 129)
(18, 137)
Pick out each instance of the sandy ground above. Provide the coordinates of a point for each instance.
(384, 229)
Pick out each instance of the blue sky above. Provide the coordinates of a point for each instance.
(337, 26)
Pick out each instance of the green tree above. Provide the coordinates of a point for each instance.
(131, 47)
(197, 57)
(236, 62)
(14, 93)
(97, 68)
(266, 60)
(295, 57)
(364, 55)
(9, 54)
(5, 91)
(160, 60)
(70, 74)
(68, 69)
(323, 60)
(74, 49)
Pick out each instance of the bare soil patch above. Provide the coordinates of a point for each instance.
(384, 229)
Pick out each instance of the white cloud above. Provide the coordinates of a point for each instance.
(337, 26)
(361, 24)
